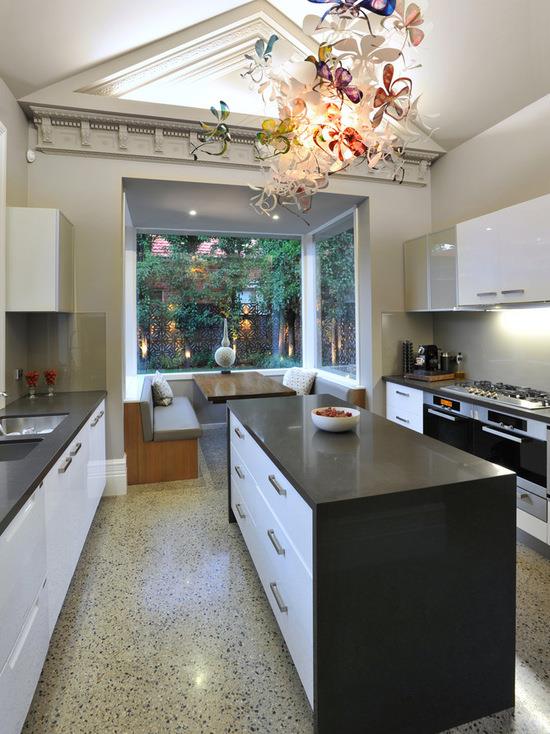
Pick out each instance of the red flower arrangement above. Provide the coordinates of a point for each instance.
(32, 378)
(51, 377)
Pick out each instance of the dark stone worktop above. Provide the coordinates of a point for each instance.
(379, 458)
(18, 479)
(435, 387)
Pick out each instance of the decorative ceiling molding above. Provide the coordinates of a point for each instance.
(205, 57)
(69, 132)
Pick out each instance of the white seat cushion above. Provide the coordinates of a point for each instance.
(162, 392)
(299, 380)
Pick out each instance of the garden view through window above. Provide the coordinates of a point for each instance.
(336, 328)
(187, 284)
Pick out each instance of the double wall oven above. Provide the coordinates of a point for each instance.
(517, 443)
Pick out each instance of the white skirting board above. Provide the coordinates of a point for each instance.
(116, 478)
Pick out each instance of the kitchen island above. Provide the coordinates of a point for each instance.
(388, 559)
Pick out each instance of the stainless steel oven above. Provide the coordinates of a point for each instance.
(519, 444)
(449, 420)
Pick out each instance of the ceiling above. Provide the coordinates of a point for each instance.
(165, 205)
(482, 61)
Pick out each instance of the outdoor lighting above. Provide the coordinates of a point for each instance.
(351, 103)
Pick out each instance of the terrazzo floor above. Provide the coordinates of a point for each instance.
(166, 629)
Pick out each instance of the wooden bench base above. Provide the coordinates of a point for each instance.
(156, 461)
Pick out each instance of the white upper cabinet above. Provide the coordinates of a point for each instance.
(40, 260)
(504, 257)
(430, 272)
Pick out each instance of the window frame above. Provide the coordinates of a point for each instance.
(309, 305)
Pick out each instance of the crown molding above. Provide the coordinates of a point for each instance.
(205, 57)
(85, 133)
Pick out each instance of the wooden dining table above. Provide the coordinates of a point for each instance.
(219, 388)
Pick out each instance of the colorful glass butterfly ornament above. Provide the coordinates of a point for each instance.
(350, 103)
(355, 8)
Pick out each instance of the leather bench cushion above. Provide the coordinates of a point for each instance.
(176, 422)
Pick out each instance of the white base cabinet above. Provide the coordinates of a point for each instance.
(39, 552)
(405, 406)
(277, 526)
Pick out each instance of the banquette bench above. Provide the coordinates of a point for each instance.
(161, 441)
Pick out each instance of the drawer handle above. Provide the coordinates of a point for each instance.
(403, 394)
(487, 293)
(95, 421)
(439, 414)
(239, 433)
(275, 542)
(240, 472)
(278, 598)
(274, 483)
(492, 431)
(65, 465)
(240, 512)
(76, 449)
(519, 291)
(524, 496)
(403, 420)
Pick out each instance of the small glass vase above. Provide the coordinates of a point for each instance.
(32, 393)
(50, 391)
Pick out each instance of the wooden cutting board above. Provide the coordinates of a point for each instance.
(428, 376)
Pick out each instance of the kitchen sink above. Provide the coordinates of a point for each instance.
(30, 424)
(11, 450)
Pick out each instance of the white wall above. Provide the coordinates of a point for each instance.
(89, 191)
(16, 123)
(505, 165)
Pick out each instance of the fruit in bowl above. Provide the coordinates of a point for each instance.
(335, 419)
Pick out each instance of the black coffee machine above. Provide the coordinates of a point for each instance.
(427, 358)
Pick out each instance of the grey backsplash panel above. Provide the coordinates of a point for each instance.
(511, 345)
(72, 344)
(396, 328)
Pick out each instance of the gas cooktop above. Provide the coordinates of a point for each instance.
(520, 397)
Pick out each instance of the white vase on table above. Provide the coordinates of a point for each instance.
(225, 356)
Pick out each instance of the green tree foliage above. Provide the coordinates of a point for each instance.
(192, 289)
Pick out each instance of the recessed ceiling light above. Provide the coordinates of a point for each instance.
(488, 229)
(193, 213)
(276, 216)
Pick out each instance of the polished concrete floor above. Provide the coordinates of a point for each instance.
(166, 629)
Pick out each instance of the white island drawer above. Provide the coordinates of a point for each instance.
(21, 672)
(291, 510)
(22, 569)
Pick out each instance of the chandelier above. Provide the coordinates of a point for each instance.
(351, 103)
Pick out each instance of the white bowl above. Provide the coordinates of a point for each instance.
(336, 425)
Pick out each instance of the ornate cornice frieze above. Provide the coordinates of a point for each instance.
(73, 132)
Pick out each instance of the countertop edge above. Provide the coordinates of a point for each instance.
(35, 482)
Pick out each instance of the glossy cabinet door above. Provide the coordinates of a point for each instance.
(96, 477)
(504, 257)
(39, 261)
(415, 254)
(478, 276)
(442, 270)
(523, 233)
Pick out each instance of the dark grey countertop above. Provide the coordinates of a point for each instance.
(18, 479)
(378, 458)
(435, 387)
